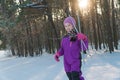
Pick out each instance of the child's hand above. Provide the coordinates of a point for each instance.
(56, 56)
(81, 36)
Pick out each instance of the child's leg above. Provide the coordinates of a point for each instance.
(76, 71)
(75, 75)
(82, 78)
(68, 70)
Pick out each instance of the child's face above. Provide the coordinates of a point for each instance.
(68, 27)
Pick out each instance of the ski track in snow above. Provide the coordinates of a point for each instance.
(17, 64)
(5, 59)
(38, 69)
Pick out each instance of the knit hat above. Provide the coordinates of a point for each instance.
(70, 20)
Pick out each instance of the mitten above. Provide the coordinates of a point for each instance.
(56, 56)
(81, 36)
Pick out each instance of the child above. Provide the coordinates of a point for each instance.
(70, 49)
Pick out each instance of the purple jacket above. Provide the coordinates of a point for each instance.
(71, 50)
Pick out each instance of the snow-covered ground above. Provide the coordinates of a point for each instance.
(100, 66)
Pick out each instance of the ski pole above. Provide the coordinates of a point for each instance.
(82, 43)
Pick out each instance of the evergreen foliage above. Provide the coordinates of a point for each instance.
(27, 28)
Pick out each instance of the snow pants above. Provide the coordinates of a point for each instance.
(74, 75)
(73, 70)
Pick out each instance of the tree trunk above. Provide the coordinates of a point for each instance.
(115, 37)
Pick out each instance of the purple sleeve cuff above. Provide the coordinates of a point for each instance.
(60, 52)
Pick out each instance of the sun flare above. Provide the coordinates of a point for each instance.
(83, 3)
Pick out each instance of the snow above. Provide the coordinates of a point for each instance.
(99, 66)
(103, 66)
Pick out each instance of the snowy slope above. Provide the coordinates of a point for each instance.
(97, 67)
(103, 67)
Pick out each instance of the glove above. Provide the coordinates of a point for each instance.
(56, 56)
(81, 36)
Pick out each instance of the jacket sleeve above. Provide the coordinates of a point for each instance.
(61, 50)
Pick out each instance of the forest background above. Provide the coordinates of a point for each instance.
(27, 27)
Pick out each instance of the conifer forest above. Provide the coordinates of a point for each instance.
(29, 27)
